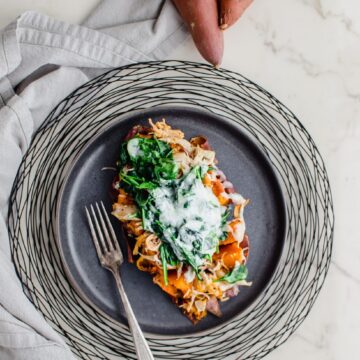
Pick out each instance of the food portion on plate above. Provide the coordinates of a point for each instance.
(183, 219)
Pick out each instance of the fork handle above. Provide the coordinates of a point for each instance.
(143, 351)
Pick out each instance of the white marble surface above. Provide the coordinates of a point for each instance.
(307, 53)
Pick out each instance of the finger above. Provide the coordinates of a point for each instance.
(201, 17)
(230, 11)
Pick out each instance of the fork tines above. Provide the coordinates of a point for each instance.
(102, 233)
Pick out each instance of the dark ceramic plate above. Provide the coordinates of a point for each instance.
(244, 164)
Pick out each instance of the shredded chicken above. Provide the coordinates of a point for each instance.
(203, 157)
(152, 242)
(164, 132)
(124, 212)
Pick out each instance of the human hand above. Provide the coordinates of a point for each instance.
(205, 20)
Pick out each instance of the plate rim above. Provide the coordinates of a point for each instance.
(69, 168)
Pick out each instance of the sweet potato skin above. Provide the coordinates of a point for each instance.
(201, 17)
(230, 11)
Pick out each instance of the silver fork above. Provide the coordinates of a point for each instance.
(111, 257)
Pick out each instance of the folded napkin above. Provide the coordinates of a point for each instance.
(41, 61)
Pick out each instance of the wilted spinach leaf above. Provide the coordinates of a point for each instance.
(238, 273)
(167, 257)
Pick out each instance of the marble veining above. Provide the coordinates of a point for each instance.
(307, 53)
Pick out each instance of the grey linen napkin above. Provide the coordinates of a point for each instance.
(118, 32)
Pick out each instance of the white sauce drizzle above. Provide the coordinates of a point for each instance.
(191, 216)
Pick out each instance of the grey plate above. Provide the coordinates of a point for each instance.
(245, 166)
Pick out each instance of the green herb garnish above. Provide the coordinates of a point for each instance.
(167, 257)
(150, 159)
(238, 273)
